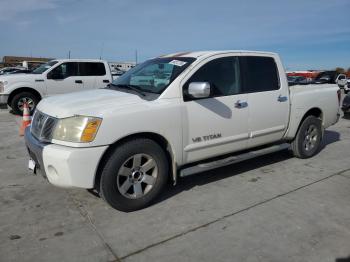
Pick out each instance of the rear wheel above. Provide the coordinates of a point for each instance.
(308, 139)
(134, 175)
(18, 101)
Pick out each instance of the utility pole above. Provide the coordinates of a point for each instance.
(69, 54)
(101, 53)
(136, 56)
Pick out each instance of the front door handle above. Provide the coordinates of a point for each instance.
(282, 98)
(241, 104)
(78, 81)
(105, 81)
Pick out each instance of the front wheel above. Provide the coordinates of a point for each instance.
(308, 139)
(18, 101)
(134, 175)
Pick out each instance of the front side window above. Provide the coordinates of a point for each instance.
(223, 75)
(154, 75)
(65, 70)
(91, 69)
(259, 73)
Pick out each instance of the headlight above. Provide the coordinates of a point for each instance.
(77, 129)
(2, 85)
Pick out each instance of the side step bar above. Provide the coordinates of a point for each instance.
(231, 160)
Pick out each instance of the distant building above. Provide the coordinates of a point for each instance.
(121, 66)
(18, 60)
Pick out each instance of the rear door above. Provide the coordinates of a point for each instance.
(268, 99)
(94, 74)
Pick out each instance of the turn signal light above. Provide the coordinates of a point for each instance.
(90, 130)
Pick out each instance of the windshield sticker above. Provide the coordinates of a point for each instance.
(177, 63)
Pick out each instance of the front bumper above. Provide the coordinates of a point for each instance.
(3, 101)
(65, 166)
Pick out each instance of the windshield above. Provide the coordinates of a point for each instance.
(41, 69)
(154, 75)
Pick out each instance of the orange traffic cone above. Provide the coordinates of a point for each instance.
(26, 119)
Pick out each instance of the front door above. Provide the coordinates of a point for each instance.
(218, 124)
(64, 79)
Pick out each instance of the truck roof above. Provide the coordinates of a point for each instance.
(78, 60)
(197, 54)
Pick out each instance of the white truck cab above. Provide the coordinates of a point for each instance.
(53, 78)
(174, 116)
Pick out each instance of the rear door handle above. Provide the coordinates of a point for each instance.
(78, 81)
(282, 98)
(105, 81)
(241, 104)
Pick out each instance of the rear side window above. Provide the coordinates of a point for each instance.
(223, 74)
(259, 74)
(92, 69)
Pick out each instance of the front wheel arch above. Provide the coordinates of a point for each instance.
(160, 140)
(24, 90)
(21, 90)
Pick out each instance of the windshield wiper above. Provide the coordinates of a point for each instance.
(132, 87)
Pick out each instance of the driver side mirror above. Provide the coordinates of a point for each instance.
(199, 89)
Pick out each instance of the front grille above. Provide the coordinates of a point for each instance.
(42, 126)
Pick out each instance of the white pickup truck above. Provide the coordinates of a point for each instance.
(52, 78)
(174, 116)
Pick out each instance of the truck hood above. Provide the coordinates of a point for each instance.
(20, 77)
(99, 102)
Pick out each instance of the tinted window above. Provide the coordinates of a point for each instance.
(222, 74)
(259, 74)
(92, 69)
(65, 70)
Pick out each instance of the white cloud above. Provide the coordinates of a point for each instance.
(11, 9)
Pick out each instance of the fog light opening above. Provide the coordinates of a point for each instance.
(52, 171)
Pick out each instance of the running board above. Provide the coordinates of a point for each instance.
(231, 160)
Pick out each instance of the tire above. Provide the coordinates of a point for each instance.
(127, 183)
(18, 99)
(308, 139)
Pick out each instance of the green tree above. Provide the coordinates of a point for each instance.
(340, 70)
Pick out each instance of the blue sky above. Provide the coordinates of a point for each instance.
(306, 33)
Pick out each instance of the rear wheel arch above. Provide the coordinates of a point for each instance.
(160, 140)
(316, 112)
